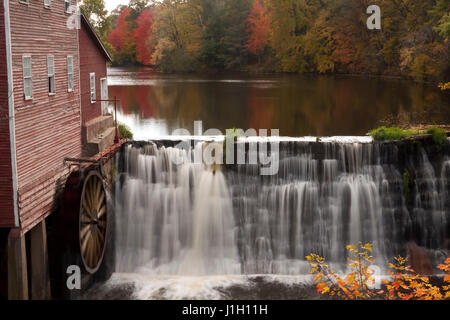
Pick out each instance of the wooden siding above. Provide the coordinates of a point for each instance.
(48, 127)
(6, 186)
(91, 60)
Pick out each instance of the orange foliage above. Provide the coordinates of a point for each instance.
(407, 285)
(142, 36)
(404, 283)
(444, 86)
(355, 285)
(258, 27)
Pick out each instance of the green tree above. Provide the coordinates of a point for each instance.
(213, 51)
(95, 12)
(235, 34)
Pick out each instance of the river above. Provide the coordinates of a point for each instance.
(155, 104)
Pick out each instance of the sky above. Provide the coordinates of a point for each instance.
(112, 4)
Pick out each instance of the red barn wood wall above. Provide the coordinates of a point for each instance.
(91, 60)
(48, 128)
(6, 186)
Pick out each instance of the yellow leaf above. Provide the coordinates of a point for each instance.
(325, 290)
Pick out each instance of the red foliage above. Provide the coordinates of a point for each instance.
(258, 27)
(121, 34)
(142, 35)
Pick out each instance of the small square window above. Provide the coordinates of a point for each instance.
(47, 3)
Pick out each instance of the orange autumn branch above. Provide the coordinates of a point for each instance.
(404, 283)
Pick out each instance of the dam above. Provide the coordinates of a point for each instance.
(188, 220)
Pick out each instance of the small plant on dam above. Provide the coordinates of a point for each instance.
(391, 134)
(125, 131)
(439, 137)
(404, 283)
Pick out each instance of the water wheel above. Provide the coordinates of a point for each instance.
(92, 222)
(83, 221)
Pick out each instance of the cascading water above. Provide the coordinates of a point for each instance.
(213, 249)
(174, 219)
(184, 219)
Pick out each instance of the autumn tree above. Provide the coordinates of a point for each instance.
(177, 35)
(122, 39)
(142, 37)
(136, 8)
(258, 28)
(289, 25)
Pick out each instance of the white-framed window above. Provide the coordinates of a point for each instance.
(27, 77)
(92, 85)
(67, 6)
(51, 74)
(47, 3)
(69, 73)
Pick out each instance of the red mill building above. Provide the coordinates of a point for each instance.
(51, 77)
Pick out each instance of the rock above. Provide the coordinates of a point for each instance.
(418, 259)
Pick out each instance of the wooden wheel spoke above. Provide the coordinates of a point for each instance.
(98, 248)
(85, 208)
(90, 195)
(91, 251)
(98, 189)
(101, 212)
(101, 237)
(100, 201)
(101, 224)
(84, 244)
(85, 220)
(99, 245)
(84, 231)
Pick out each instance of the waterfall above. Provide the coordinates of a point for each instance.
(213, 249)
(173, 219)
(177, 217)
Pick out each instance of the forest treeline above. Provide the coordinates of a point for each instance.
(302, 36)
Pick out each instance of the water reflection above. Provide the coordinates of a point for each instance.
(155, 105)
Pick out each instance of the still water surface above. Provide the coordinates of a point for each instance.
(154, 104)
